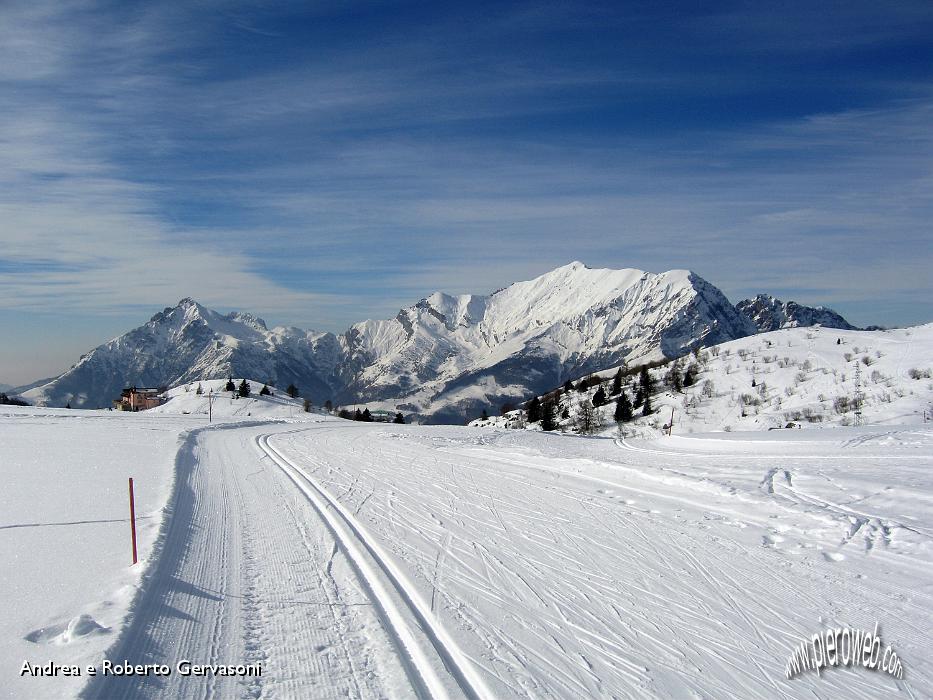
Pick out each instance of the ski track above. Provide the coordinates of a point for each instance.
(364, 561)
(570, 578)
(249, 574)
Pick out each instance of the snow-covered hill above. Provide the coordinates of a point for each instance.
(804, 376)
(185, 400)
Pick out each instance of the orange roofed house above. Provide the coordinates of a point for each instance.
(139, 399)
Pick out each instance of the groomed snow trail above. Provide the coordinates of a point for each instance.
(377, 561)
(249, 574)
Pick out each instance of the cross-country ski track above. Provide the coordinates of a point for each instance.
(382, 561)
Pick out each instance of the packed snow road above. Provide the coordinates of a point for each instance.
(393, 561)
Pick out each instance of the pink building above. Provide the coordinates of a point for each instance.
(139, 399)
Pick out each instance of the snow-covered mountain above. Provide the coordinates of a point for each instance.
(442, 359)
(448, 357)
(770, 314)
(187, 343)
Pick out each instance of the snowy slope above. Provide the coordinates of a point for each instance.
(805, 376)
(185, 400)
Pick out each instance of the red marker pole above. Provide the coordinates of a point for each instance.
(133, 520)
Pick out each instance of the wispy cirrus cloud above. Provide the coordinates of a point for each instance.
(323, 164)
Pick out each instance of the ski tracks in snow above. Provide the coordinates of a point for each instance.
(248, 574)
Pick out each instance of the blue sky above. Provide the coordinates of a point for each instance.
(322, 163)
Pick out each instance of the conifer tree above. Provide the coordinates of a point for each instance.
(358, 415)
(548, 418)
(230, 386)
(265, 391)
(244, 389)
(599, 397)
(367, 416)
(646, 382)
(587, 418)
(292, 391)
(534, 410)
(623, 412)
(399, 418)
(616, 383)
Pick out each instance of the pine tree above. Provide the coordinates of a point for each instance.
(399, 418)
(534, 410)
(367, 416)
(358, 415)
(646, 382)
(568, 385)
(690, 374)
(230, 386)
(292, 391)
(306, 405)
(345, 414)
(616, 383)
(265, 391)
(599, 397)
(485, 415)
(646, 407)
(548, 419)
(587, 418)
(623, 412)
(583, 385)
(244, 389)
(639, 397)
(329, 406)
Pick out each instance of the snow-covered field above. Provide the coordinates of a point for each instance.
(367, 560)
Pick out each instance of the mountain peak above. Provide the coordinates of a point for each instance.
(769, 313)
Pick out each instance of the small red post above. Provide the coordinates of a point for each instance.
(133, 520)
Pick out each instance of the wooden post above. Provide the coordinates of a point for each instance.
(670, 429)
(133, 521)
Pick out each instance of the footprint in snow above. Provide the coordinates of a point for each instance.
(67, 632)
(833, 556)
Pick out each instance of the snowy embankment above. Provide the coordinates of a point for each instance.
(64, 522)
(810, 377)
